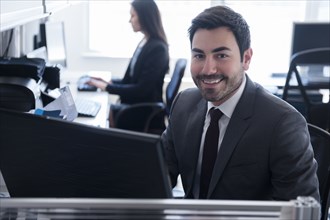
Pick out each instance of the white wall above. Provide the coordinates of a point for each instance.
(75, 19)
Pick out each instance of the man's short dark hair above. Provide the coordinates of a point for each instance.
(222, 16)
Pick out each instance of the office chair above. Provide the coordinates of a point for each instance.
(150, 117)
(320, 140)
(174, 85)
(138, 117)
(315, 111)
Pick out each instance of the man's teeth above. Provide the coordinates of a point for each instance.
(211, 81)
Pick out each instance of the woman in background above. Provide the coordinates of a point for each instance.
(144, 77)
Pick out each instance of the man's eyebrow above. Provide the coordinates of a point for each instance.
(213, 51)
(219, 49)
(197, 50)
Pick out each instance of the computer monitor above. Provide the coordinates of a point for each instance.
(52, 35)
(49, 157)
(309, 35)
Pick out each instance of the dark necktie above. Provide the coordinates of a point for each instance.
(210, 152)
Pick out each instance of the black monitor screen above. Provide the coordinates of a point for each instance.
(53, 38)
(310, 35)
(47, 157)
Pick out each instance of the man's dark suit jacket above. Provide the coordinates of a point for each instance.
(146, 84)
(265, 154)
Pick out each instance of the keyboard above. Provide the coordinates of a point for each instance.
(87, 108)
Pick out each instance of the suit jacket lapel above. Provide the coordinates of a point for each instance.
(194, 129)
(235, 130)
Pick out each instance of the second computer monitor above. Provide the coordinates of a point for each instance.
(52, 35)
(309, 35)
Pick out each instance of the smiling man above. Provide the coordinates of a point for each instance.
(262, 146)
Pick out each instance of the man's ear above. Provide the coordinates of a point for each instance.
(247, 58)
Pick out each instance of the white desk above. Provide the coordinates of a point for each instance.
(101, 120)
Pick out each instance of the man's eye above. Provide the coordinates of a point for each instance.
(222, 55)
(198, 56)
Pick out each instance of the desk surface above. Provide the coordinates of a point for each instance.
(309, 81)
(70, 78)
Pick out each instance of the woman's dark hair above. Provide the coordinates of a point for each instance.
(150, 18)
(222, 16)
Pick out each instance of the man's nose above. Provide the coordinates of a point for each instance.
(210, 66)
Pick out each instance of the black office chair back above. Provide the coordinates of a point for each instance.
(150, 117)
(175, 82)
(312, 56)
(141, 117)
(320, 140)
(316, 112)
(317, 56)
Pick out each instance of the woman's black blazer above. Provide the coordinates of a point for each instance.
(146, 83)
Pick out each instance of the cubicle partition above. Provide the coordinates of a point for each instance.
(303, 208)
